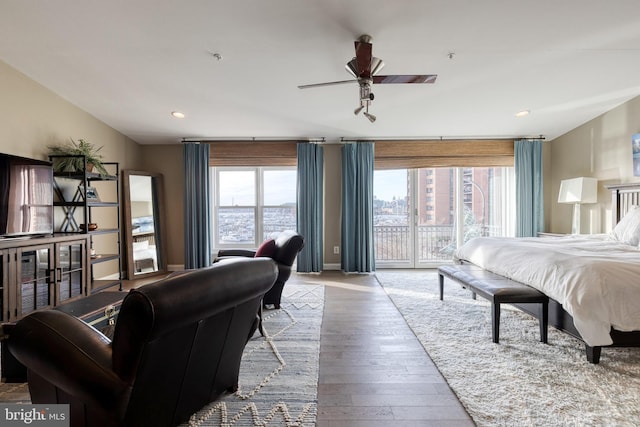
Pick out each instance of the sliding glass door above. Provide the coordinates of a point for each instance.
(392, 219)
(417, 223)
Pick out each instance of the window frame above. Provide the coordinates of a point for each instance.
(258, 207)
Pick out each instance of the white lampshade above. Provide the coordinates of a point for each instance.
(578, 190)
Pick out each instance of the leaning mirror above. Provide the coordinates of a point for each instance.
(143, 223)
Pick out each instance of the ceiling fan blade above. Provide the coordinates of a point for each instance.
(340, 82)
(405, 78)
(363, 58)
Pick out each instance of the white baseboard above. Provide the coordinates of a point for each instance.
(175, 267)
(335, 267)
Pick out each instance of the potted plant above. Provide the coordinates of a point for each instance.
(76, 164)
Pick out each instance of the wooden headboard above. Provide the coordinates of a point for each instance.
(624, 196)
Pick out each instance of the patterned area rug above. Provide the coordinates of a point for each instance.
(520, 381)
(279, 373)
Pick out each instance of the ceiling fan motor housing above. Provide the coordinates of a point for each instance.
(365, 90)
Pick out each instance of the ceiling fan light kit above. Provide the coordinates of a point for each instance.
(371, 117)
(364, 68)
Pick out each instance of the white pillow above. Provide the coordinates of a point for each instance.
(137, 246)
(628, 229)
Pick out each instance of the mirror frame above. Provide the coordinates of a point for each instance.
(159, 224)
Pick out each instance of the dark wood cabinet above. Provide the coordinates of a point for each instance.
(41, 273)
(71, 270)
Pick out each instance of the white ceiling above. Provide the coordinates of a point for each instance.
(130, 63)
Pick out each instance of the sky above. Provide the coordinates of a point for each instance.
(239, 187)
(388, 184)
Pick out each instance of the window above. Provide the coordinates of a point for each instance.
(427, 227)
(252, 203)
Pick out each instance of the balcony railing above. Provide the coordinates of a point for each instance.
(393, 242)
(435, 242)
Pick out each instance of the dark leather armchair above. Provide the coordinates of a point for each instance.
(177, 346)
(283, 249)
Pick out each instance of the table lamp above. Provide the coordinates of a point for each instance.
(578, 191)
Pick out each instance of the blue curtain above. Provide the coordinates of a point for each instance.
(357, 208)
(197, 216)
(529, 190)
(310, 206)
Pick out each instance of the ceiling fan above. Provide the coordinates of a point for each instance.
(364, 68)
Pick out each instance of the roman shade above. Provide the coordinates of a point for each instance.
(388, 154)
(443, 153)
(253, 153)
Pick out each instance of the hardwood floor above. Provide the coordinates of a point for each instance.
(373, 370)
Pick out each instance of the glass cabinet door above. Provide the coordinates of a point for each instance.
(35, 272)
(71, 264)
(4, 274)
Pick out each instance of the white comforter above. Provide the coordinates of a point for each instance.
(595, 278)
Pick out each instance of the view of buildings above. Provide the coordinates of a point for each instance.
(433, 212)
(237, 225)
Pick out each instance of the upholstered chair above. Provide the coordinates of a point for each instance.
(283, 249)
(177, 346)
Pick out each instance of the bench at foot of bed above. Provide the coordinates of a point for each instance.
(498, 290)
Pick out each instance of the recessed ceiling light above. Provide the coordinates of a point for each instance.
(178, 114)
(522, 113)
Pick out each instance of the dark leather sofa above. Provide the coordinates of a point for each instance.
(283, 249)
(177, 346)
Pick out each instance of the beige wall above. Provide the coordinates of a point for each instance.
(167, 160)
(332, 203)
(32, 117)
(601, 148)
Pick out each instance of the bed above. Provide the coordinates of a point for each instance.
(145, 258)
(593, 281)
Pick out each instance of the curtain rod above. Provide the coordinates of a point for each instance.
(532, 138)
(253, 139)
(320, 140)
(441, 138)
